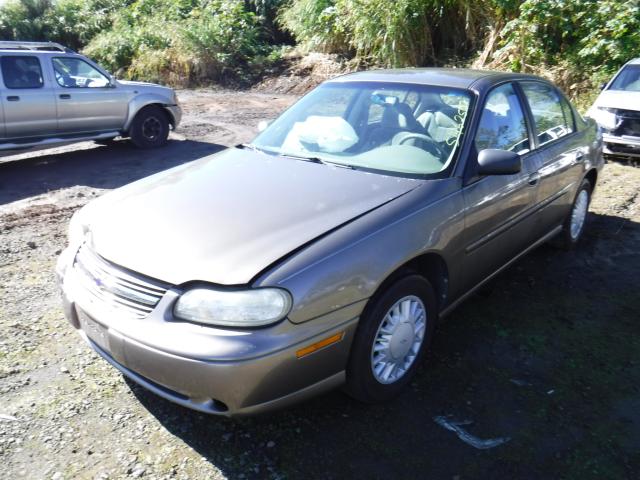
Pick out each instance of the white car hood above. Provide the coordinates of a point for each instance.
(618, 99)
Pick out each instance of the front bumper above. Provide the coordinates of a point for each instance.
(624, 145)
(218, 371)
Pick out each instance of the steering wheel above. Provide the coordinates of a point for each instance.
(63, 79)
(431, 145)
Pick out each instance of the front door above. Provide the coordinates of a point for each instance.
(499, 209)
(86, 99)
(28, 102)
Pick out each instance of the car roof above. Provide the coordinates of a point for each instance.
(635, 61)
(26, 51)
(445, 77)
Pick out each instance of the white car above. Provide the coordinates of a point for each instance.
(617, 111)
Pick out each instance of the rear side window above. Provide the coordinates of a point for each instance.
(502, 124)
(21, 72)
(553, 120)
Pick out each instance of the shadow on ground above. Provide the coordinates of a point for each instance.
(101, 166)
(549, 359)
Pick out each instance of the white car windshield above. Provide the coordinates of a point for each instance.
(390, 127)
(628, 79)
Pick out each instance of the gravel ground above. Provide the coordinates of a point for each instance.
(549, 359)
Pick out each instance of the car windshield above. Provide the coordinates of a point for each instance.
(628, 79)
(389, 127)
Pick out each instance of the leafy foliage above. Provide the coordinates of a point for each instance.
(186, 42)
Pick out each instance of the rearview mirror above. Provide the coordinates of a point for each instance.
(498, 162)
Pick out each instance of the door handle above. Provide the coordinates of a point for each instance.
(65, 96)
(13, 98)
(533, 179)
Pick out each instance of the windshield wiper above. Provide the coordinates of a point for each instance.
(303, 158)
(317, 160)
(249, 146)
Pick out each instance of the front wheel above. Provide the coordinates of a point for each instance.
(150, 127)
(393, 334)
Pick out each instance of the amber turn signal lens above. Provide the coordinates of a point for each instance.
(303, 352)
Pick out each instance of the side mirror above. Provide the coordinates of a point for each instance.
(498, 162)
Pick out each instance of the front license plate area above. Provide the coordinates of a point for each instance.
(94, 330)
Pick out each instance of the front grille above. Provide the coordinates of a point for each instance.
(628, 122)
(110, 287)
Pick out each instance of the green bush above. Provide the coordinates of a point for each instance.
(400, 33)
(182, 43)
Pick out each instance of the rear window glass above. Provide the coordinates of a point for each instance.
(21, 72)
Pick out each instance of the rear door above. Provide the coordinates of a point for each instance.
(86, 99)
(27, 99)
(561, 148)
(499, 219)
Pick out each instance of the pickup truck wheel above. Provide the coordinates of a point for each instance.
(150, 128)
(392, 336)
(574, 224)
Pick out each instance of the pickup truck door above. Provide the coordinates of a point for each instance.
(86, 99)
(27, 99)
(499, 209)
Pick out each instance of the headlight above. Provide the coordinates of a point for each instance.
(240, 308)
(605, 118)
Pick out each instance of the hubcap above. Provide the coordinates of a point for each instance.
(579, 213)
(398, 339)
(151, 128)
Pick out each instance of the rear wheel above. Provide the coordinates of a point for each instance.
(574, 224)
(394, 332)
(150, 127)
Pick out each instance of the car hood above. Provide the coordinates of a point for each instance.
(225, 218)
(144, 87)
(618, 99)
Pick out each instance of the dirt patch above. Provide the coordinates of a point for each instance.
(549, 358)
(301, 73)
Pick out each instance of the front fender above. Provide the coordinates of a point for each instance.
(346, 267)
(138, 102)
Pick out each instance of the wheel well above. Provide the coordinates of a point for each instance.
(592, 176)
(164, 111)
(429, 265)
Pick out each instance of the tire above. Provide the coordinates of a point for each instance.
(366, 370)
(150, 128)
(574, 224)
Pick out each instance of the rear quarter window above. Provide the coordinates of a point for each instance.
(21, 72)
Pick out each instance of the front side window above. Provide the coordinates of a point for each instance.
(21, 72)
(550, 117)
(628, 79)
(387, 127)
(76, 73)
(502, 124)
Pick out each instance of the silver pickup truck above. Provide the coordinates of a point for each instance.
(51, 95)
